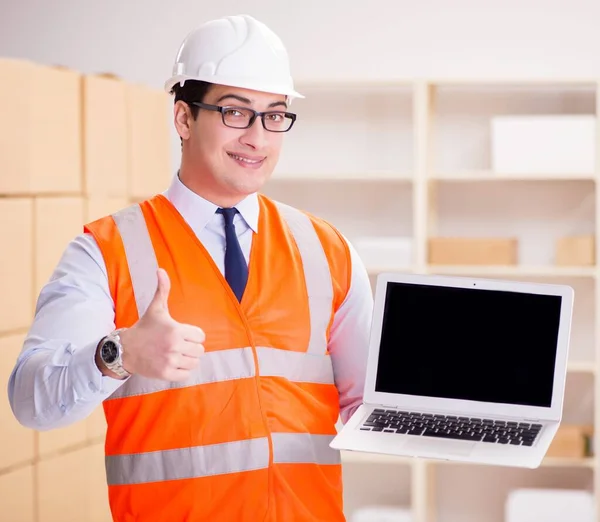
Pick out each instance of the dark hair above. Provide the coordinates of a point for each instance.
(192, 91)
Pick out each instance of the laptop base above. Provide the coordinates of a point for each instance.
(352, 438)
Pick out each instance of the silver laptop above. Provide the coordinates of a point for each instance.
(463, 369)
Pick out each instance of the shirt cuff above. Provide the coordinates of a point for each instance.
(87, 377)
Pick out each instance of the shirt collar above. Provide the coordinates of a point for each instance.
(198, 211)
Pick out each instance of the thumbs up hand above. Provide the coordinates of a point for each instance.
(157, 346)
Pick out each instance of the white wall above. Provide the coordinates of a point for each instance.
(342, 38)
(138, 39)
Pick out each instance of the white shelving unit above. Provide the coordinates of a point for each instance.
(412, 159)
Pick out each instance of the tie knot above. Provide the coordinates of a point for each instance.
(228, 214)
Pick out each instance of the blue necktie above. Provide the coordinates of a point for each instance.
(236, 269)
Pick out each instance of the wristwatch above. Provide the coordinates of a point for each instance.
(111, 353)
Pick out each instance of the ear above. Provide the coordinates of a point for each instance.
(182, 119)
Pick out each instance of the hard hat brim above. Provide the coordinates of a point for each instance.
(285, 91)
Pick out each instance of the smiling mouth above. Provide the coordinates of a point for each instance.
(249, 161)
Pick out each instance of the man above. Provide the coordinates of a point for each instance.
(223, 332)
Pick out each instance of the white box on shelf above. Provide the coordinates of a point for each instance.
(384, 252)
(549, 505)
(382, 514)
(552, 144)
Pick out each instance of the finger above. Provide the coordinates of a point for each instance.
(160, 301)
(189, 349)
(192, 333)
(186, 362)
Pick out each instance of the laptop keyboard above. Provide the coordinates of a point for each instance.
(450, 427)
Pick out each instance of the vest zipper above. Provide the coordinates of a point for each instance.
(258, 393)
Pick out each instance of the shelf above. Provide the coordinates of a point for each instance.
(520, 82)
(548, 462)
(486, 175)
(358, 457)
(382, 175)
(421, 166)
(555, 462)
(581, 367)
(377, 269)
(475, 81)
(466, 176)
(480, 271)
(355, 457)
(346, 84)
(529, 271)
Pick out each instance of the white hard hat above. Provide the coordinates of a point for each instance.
(238, 51)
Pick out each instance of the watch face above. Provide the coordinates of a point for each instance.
(109, 352)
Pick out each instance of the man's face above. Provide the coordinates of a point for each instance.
(226, 164)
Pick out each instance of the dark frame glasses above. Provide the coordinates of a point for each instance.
(252, 115)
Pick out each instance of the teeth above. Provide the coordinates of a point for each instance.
(246, 160)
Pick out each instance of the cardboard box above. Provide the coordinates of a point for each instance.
(98, 506)
(576, 251)
(18, 443)
(472, 251)
(57, 221)
(40, 129)
(544, 144)
(16, 276)
(572, 441)
(17, 498)
(149, 141)
(62, 487)
(52, 442)
(96, 425)
(106, 157)
(72, 487)
(548, 500)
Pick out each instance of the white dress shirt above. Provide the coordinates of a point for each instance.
(55, 381)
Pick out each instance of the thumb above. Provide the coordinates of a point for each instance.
(160, 301)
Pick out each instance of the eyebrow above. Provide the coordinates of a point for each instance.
(248, 101)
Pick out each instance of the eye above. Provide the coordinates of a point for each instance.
(233, 113)
(276, 117)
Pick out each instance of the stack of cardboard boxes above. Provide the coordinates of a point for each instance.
(73, 148)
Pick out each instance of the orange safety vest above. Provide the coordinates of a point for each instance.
(247, 437)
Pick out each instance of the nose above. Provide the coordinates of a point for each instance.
(255, 136)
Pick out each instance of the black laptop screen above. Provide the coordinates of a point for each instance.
(479, 345)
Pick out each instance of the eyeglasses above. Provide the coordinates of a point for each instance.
(244, 117)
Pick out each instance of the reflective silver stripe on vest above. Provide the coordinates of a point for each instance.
(223, 365)
(295, 366)
(298, 448)
(218, 459)
(186, 463)
(140, 255)
(238, 363)
(316, 273)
